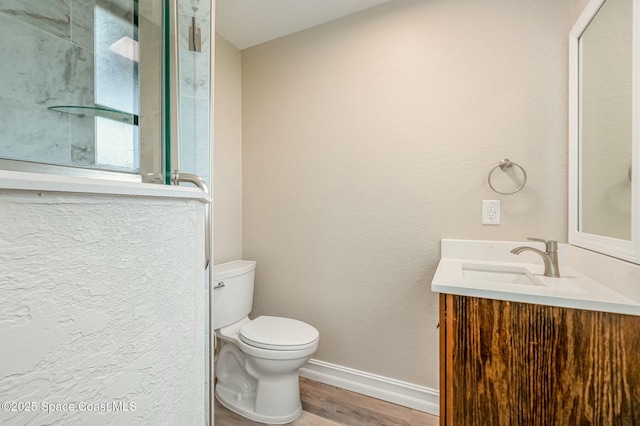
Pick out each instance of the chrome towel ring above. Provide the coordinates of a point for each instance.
(505, 165)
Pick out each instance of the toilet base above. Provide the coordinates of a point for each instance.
(258, 383)
(229, 399)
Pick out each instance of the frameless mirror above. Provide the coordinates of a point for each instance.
(603, 183)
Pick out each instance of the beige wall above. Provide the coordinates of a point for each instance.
(368, 139)
(227, 166)
(578, 7)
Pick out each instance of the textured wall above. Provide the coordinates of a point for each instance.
(227, 166)
(368, 139)
(102, 301)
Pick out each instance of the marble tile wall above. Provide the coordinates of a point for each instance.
(53, 16)
(40, 67)
(195, 155)
(47, 59)
(47, 51)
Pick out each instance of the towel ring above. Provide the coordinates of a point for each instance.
(505, 165)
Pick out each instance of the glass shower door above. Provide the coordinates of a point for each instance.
(81, 85)
(194, 59)
(191, 153)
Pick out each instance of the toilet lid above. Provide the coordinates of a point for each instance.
(278, 333)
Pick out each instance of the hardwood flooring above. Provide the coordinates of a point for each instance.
(326, 405)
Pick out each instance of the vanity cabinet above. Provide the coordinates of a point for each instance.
(509, 363)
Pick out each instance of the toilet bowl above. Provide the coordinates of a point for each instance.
(257, 366)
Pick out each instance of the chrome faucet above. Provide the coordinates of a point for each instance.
(549, 257)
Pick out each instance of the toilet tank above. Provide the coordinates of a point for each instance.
(232, 291)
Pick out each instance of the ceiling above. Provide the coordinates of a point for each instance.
(247, 23)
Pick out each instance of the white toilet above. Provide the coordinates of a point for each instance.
(257, 367)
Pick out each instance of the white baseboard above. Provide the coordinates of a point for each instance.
(419, 398)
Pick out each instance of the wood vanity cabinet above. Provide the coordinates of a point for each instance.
(509, 363)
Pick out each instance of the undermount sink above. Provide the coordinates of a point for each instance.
(490, 270)
(499, 274)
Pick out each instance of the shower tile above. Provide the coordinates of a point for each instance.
(186, 6)
(187, 135)
(120, 8)
(194, 66)
(52, 16)
(82, 133)
(42, 69)
(195, 156)
(82, 22)
(33, 133)
(203, 155)
(194, 74)
(77, 77)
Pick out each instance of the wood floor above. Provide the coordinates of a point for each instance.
(326, 405)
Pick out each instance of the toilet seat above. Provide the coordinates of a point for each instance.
(280, 334)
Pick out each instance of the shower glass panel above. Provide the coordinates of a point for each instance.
(194, 117)
(81, 84)
(194, 53)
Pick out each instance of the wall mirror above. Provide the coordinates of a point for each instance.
(604, 199)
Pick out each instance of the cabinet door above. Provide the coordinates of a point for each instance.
(446, 354)
(509, 363)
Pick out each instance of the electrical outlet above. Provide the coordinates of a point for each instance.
(491, 212)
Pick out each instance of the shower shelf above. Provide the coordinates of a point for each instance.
(95, 111)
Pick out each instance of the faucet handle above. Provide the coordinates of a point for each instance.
(551, 245)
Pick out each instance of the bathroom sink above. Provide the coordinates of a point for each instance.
(489, 270)
(505, 274)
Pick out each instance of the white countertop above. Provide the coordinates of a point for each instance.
(23, 181)
(588, 280)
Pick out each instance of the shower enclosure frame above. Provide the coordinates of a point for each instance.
(165, 149)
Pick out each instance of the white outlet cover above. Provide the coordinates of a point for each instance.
(491, 212)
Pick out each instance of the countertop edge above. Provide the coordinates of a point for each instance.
(23, 181)
(484, 251)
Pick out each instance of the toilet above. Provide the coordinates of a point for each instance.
(257, 366)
